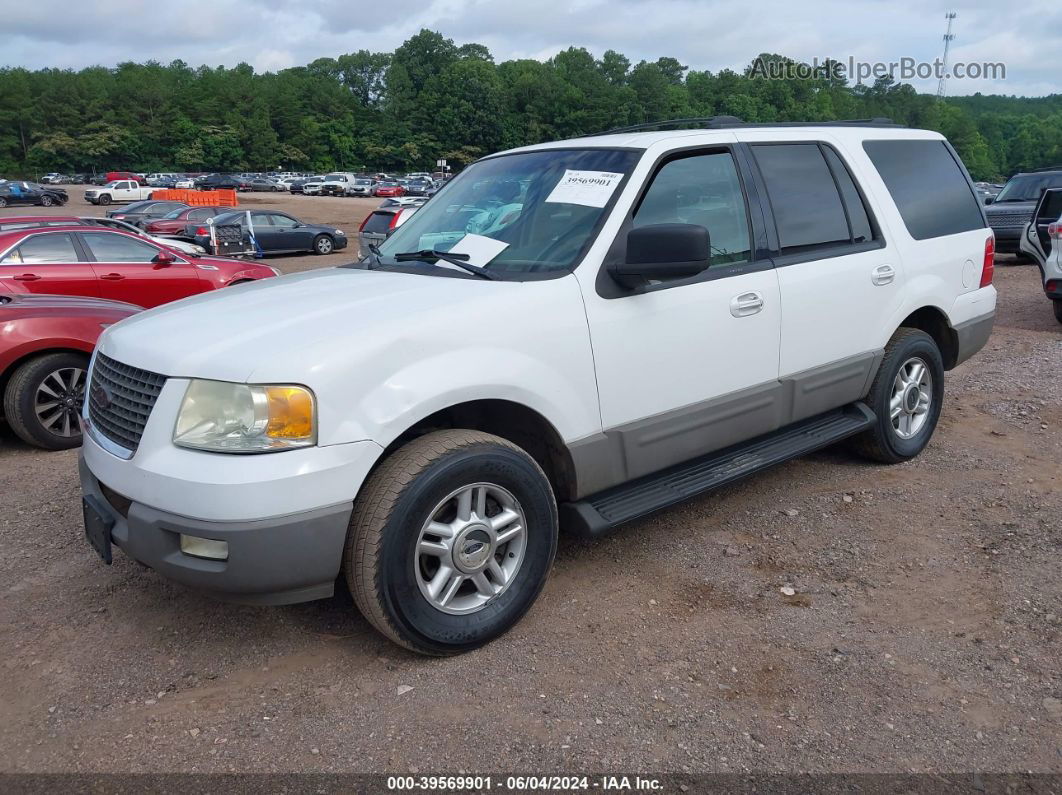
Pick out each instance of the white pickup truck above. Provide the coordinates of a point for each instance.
(120, 190)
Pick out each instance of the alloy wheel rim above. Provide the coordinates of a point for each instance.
(324, 246)
(470, 549)
(57, 401)
(912, 397)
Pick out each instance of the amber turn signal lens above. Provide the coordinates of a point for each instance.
(290, 412)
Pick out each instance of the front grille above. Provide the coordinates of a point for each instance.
(120, 400)
(1009, 220)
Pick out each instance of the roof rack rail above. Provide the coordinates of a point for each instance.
(1047, 168)
(726, 122)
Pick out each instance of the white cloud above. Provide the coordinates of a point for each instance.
(274, 34)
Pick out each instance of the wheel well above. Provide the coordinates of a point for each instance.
(935, 323)
(520, 425)
(11, 368)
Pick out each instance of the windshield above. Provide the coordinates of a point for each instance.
(335, 178)
(543, 207)
(1027, 187)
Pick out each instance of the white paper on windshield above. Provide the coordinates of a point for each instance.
(589, 188)
(480, 249)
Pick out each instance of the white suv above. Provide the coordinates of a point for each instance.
(573, 335)
(1041, 239)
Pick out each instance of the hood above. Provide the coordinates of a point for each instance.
(1007, 208)
(288, 328)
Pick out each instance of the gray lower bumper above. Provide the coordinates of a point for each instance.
(972, 335)
(271, 561)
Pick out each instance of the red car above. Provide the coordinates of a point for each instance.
(183, 222)
(388, 190)
(106, 263)
(45, 344)
(112, 176)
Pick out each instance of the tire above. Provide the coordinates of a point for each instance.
(104, 200)
(47, 201)
(388, 573)
(1057, 305)
(887, 440)
(3, 202)
(27, 391)
(323, 244)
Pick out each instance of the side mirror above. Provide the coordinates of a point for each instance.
(989, 199)
(663, 251)
(164, 258)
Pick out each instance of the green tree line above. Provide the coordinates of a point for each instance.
(432, 99)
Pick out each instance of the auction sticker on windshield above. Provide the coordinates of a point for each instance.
(589, 188)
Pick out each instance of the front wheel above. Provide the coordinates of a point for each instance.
(451, 541)
(906, 396)
(323, 244)
(43, 400)
(104, 200)
(47, 201)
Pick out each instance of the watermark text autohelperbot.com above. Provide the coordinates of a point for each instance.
(903, 69)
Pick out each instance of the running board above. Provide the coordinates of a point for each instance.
(601, 512)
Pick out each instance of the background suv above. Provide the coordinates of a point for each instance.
(1012, 208)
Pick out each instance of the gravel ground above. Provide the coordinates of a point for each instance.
(923, 631)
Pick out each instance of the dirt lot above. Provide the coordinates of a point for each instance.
(924, 634)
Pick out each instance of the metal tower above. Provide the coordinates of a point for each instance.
(942, 84)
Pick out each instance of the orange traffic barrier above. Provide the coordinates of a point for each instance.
(198, 198)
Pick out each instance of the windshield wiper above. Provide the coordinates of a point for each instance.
(429, 255)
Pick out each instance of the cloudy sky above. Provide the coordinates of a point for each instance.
(274, 34)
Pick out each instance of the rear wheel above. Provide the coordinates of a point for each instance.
(322, 244)
(3, 202)
(43, 400)
(1058, 310)
(906, 396)
(451, 541)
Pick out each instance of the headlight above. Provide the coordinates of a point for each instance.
(340, 232)
(242, 418)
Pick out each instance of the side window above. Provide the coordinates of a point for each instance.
(43, 249)
(261, 219)
(929, 187)
(858, 219)
(118, 248)
(199, 215)
(704, 190)
(283, 221)
(807, 207)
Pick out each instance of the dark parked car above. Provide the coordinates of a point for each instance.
(278, 233)
(139, 213)
(16, 193)
(1012, 208)
(296, 185)
(419, 187)
(223, 182)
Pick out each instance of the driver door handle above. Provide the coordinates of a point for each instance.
(746, 304)
(27, 277)
(112, 277)
(882, 275)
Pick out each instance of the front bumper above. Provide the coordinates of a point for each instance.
(1007, 239)
(275, 561)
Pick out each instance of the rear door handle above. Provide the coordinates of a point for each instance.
(27, 277)
(882, 275)
(112, 277)
(746, 304)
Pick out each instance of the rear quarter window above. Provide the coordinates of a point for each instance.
(928, 185)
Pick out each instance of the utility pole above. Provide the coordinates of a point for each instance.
(942, 84)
